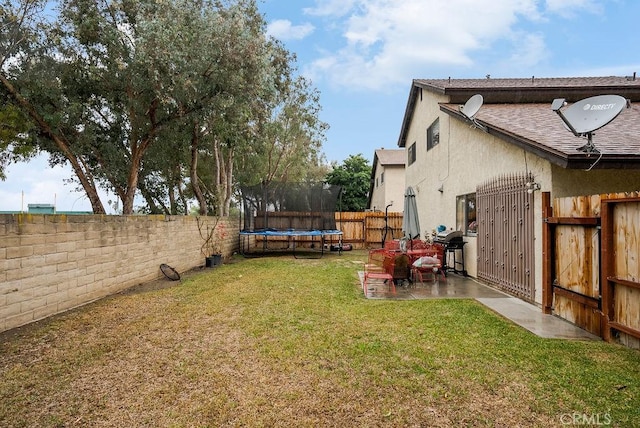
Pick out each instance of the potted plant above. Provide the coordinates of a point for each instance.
(213, 239)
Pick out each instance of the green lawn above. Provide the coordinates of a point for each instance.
(278, 341)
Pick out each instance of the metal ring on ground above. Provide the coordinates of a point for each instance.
(169, 272)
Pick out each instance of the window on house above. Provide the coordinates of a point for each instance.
(433, 134)
(382, 178)
(466, 220)
(376, 182)
(412, 154)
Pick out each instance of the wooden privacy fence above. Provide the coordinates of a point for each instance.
(591, 265)
(368, 229)
(360, 229)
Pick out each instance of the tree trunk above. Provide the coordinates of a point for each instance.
(193, 173)
(151, 202)
(87, 184)
(182, 197)
(229, 180)
(219, 177)
(132, 179)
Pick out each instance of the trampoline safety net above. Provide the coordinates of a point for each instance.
(290, 206)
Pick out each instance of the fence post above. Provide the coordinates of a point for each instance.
(606, 266)
(548, 257)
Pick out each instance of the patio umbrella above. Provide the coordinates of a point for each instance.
(410, 220)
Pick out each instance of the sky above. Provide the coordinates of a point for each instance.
(362, 56)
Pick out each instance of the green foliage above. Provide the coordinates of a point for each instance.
(15, 142)
(354, 176)
(167, 98)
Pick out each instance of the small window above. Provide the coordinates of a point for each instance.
(382, 178)
(433, 134)
(466, 220)
(412, 154)
(376, 182)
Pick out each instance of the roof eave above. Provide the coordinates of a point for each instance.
(561, 159)
(372, 178)
(408, 113)
(553, 156)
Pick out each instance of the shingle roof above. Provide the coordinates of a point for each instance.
(538, 128)
(391, 156)
(533, 82)
(534, 89)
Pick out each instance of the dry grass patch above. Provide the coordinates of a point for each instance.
(283, 342)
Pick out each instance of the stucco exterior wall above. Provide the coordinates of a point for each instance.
(466, 157)
(391, 190)
(594, 182)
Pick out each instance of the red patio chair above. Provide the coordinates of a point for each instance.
(377, 269)
(428, 265)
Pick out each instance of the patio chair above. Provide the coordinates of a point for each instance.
(399, 265)
(377, 269)
(428, 266)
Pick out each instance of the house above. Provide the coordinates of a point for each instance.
(387, 180)
(485, 176)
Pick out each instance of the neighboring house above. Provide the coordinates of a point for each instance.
(387, 180)
(485, 179)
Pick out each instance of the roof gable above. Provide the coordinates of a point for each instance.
(388, 157)
(384, 157)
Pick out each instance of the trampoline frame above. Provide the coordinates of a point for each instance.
(291, 234)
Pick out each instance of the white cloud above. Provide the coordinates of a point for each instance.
(530, 49)
(330, 8)
(387, 42)
(568, 8)
(283, 29)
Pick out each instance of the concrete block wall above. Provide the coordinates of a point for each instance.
(52, 263)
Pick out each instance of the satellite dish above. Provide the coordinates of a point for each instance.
(589, 114)
(470, 109)
(472, 106)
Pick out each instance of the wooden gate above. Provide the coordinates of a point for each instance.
(572, 259)
(367, 229)
(505, 235)
(591, 270)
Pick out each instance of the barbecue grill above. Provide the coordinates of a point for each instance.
(453, 244)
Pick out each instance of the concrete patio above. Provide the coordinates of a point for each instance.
(455, 286)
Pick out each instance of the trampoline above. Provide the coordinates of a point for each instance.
(295, 217)
(292, 237)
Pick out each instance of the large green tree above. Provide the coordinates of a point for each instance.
(106, 81)
(166, 98)
(354, 175)
(209, 137)
(286, 146)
